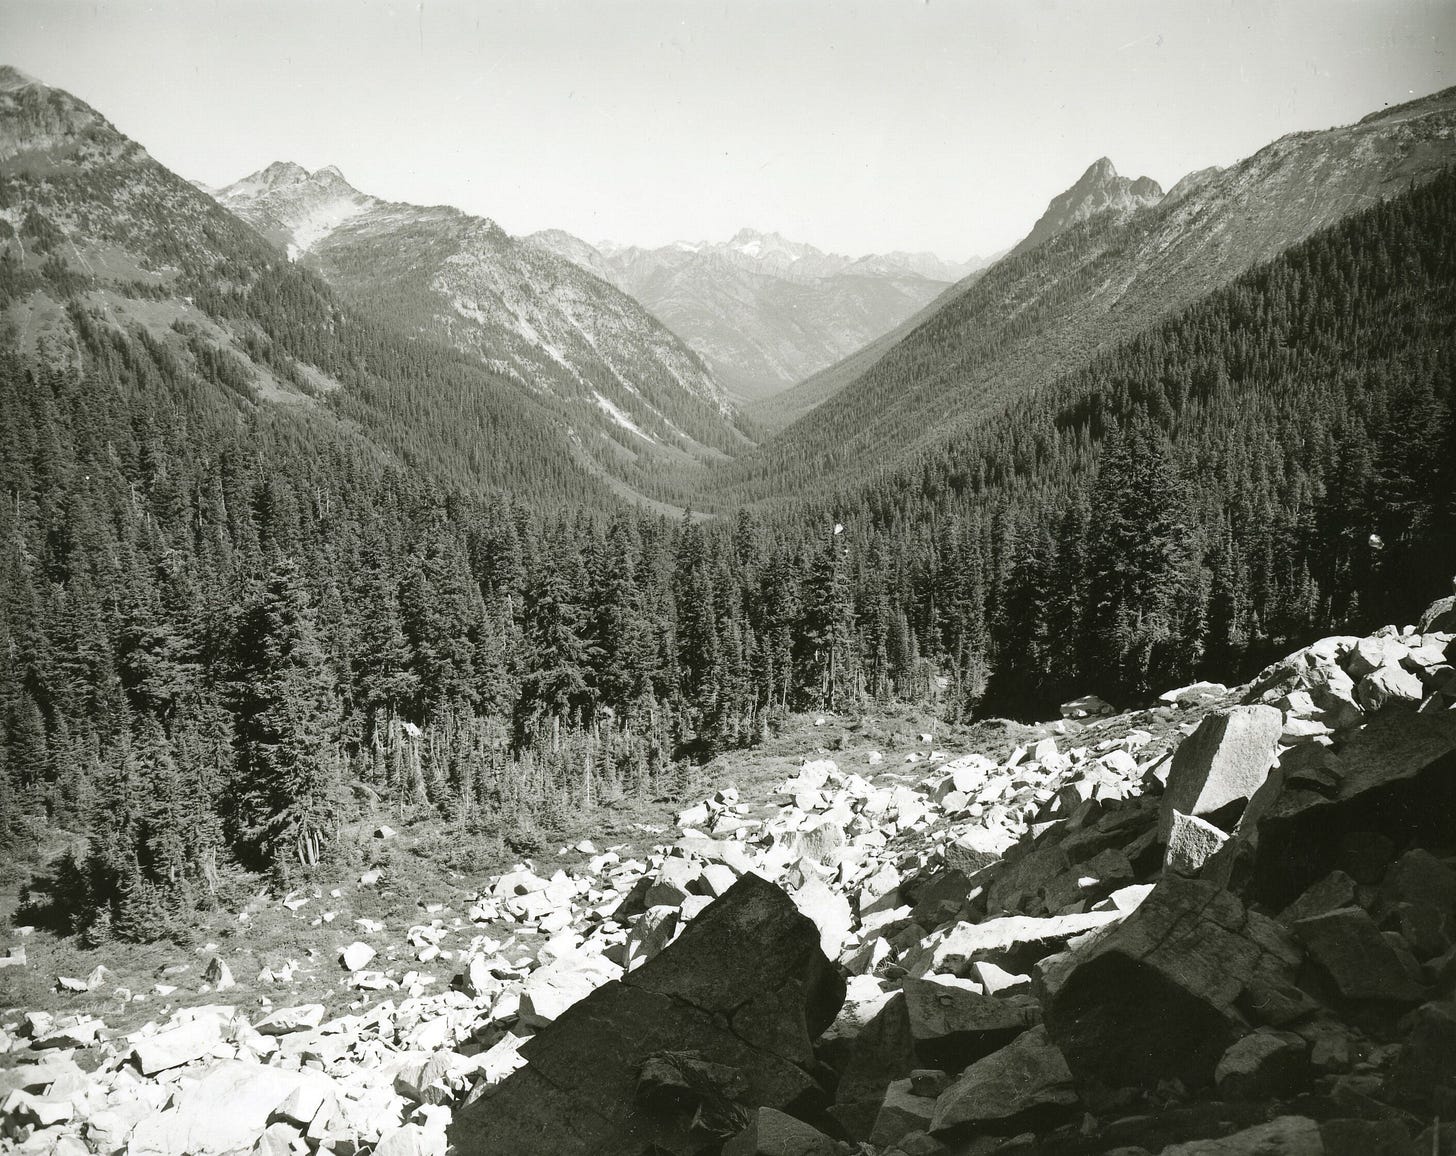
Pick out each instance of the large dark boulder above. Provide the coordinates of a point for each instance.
(1360, 962)
(1025, 1084)
(742, 993)
(1395, 777)
(954, 1026)
(1158, 995)
(881, 1053)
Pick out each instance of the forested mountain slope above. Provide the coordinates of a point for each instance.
(763, 311)
(1051, 309)
(628, 387)
(235, 596)
(1278, 459)
(93, 227)
(1100, 190)
(96, 235)
(219, 630)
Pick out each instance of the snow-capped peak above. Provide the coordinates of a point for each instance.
(752, 243)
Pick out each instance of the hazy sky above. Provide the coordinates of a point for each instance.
(857, 126)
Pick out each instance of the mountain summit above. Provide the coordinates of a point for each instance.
(293, 207)
(12, 78)
(637, 392)
(1100, 189)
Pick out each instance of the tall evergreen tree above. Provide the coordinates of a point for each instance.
(289, 790)
(1139, 560)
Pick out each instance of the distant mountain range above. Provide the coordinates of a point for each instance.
(635, 389)
(764, 311)
(1108, 259)
(552, 367)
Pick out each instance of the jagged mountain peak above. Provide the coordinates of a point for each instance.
(294, 207)
(287, 175)
(758, 244)
(1099, 189)
(284, 172)
(277, 175)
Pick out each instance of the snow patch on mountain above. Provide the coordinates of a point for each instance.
(618, 415)
(323, 218)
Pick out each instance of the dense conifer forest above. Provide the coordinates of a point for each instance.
(229, 624)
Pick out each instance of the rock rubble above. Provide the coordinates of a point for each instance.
(1240, 938)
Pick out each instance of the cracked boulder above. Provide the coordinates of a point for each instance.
(953, 1024)
(1158, 996)
(1395, 776)
(741, 994)
(1024, 1084)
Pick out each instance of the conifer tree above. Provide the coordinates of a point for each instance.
(289, 793)
(1138, 565)
(554, 688)
(827, 627)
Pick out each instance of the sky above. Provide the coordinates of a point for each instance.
(940, 125)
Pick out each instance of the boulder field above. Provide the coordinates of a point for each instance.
(1235, 938)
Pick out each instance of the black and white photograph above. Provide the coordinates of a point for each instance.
(728, 577)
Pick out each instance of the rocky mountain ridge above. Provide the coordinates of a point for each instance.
(1223, 926)
(1098, 190)
(294, 208)
(1048, 310)
(525, 312)
(449, 348)
(765, 311)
